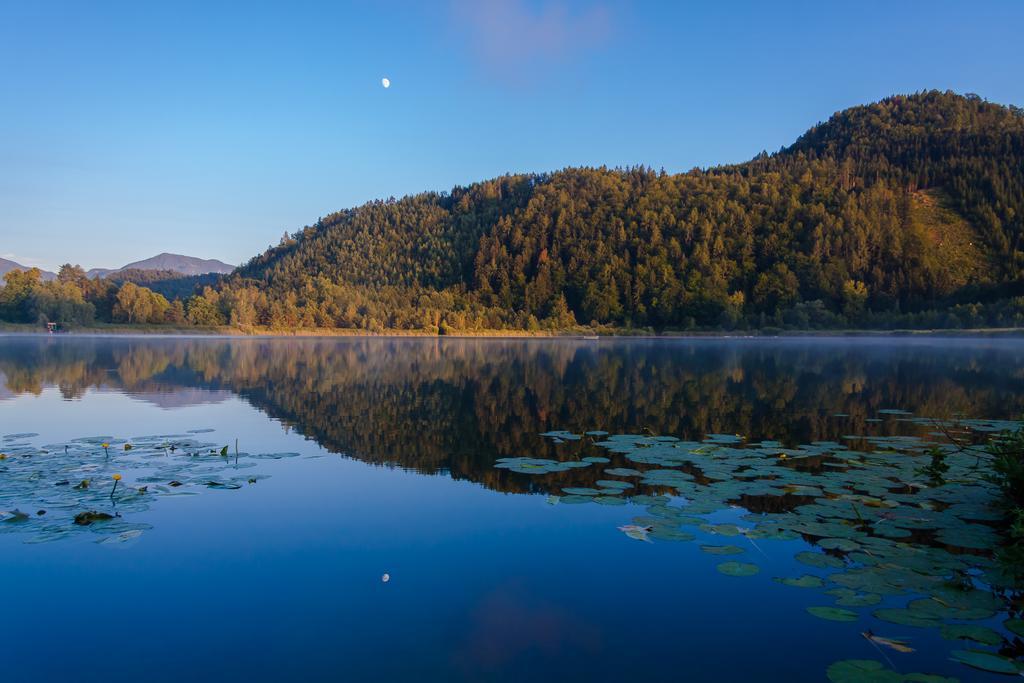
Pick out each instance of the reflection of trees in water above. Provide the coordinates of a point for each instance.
(434, 405)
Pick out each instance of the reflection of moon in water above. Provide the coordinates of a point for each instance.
(386, 82)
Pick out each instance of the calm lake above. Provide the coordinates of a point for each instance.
(267, 486)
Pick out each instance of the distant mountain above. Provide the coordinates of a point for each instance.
(184, 265)
(7, 266)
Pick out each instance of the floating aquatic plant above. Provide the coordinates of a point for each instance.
(738, 569)
(886, 516)
(833, 613)
(987, 661)
(74, 487)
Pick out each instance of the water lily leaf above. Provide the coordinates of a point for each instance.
(851, 598)
(833, 613)
(738, 569)
(609, 499)
(13, 516)
(861, 671)
(581, 491)
(623, 472)
(805, 581)
(818, 560)
(722, 549)
(124, 537)
(1015, 625)
(723, 438)
(575, 500)
(906, 617)
(613, 484)
(979, 634)
(842, 544)
(986, 661)
(670, 534)
(972, 536)
(966, 605)
(891, 531)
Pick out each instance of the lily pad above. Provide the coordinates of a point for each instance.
(850, 598)
(818, 560)
(833, 613)
(842, 544)
(805, 581)
(738, 569)
(861, 671)
(722, 549)
(986, 661)
(979, 634)
(1015, 625)
(581, 491)
(906, 617)
(623, 472)
(613, 484)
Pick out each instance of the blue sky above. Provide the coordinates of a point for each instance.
(210, 128)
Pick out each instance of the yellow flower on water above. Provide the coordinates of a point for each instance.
(117, 477)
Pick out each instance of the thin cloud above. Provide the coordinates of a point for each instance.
(511, 37)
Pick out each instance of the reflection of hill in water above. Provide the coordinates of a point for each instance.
(181, 398)
(5, 393)
(454, 405)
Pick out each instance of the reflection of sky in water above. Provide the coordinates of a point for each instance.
(281, 580)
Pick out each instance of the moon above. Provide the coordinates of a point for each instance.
(386, 82)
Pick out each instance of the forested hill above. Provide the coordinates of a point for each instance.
(911, 204)
(904, 213)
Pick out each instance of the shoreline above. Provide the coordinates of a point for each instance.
(11, 330)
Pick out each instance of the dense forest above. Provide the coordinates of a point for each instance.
(905, 213)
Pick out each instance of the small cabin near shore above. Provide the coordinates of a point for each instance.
(51, 328)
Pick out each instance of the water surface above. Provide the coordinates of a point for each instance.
(391, 450)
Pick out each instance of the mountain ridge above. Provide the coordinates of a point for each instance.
(6, 266)
(165, 261)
